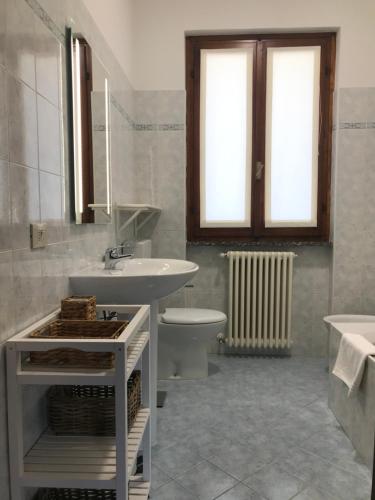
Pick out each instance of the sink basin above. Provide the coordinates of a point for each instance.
(134, 281)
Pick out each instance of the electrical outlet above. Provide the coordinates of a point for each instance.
(38, 235)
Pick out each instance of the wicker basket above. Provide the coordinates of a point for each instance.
(77, 307)
(90, 410)
(71, 329)
(74, 494)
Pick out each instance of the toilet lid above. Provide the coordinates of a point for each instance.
(189, 316)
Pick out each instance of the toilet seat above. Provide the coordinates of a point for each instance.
(191, 316)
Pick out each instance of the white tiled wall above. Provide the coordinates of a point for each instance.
(34, 174)
(160, 156)
(310, 291)
(354, 249)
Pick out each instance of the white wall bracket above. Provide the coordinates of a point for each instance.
(136, 210)
(103, 207)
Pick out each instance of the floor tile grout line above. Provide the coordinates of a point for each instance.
(323, 459)
(253, 489)
(329, 462)
(275, 463)
(226, 472)
(319, 396)
(154, 490)
(167, 482)
(333, 463)
(229, 489)
(186, 489)
(310, 484)
(174, 478)
(221, 470)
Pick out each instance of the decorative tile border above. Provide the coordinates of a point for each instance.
(139, 127)
(161, 127)
(130, 122)
(46, 20)
(149, 127)
(99, 128)
(145, 127)
(171, 127)
(356, 125)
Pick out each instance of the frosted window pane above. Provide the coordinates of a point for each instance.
(292, 130)
(226, 102)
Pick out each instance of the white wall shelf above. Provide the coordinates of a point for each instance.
(135, 211)
(93, 462)
(102, 207)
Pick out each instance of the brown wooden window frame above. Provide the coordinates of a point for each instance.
(258, 231)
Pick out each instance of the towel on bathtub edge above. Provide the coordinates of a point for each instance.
(350, 364)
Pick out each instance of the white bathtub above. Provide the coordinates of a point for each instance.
(357, 413)
(348, 318)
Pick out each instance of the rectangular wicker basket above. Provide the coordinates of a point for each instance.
(74, 494)
(79, 307)
(90, 410)
(75, 329)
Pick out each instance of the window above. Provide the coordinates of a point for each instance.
(259, 119)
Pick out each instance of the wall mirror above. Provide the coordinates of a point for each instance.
(90, 132)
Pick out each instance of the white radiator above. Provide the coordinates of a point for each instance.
(260, 299)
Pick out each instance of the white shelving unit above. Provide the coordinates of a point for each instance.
(92, 462)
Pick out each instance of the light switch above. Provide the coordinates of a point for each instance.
(38, 234)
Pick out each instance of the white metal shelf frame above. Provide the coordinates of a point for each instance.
(78, 461)
(136, 210)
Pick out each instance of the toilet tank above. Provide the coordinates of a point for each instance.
(143, 249)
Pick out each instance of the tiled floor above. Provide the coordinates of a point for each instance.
(256, 429)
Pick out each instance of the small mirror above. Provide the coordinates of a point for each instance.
(90, 132)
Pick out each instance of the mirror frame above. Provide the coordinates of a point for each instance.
(80, 86)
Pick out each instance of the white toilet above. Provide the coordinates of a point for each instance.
(184, 335)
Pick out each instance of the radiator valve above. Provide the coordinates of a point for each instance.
(221, 338)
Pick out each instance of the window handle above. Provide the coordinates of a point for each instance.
(259, 170)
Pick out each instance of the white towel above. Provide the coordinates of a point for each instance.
(351, 360)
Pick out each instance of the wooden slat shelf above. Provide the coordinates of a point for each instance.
(76, 457)
(139, 489)
(135, 437)
(135, 350)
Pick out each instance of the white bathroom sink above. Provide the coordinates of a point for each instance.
(134, 281)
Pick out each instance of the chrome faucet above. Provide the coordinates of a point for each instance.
(113, 254)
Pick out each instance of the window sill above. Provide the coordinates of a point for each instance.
(262, 243)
